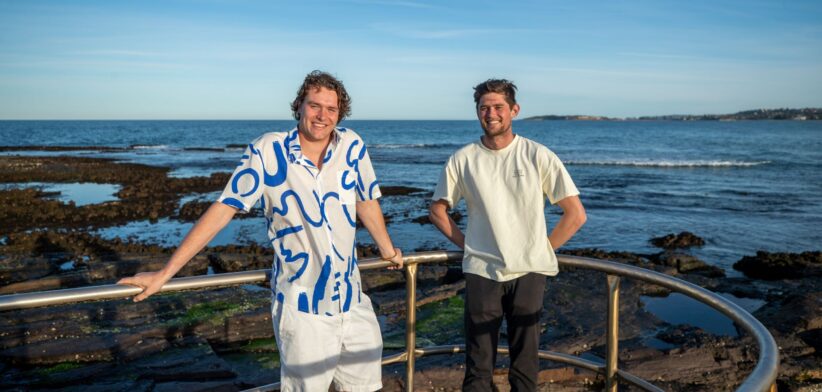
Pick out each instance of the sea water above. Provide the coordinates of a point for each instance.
(742, 186)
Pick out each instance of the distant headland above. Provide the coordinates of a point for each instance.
(757, 114)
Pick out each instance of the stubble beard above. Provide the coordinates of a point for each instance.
(489, 133)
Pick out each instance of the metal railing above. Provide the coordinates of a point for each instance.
(762, 377)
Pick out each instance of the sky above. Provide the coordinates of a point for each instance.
(406, 59)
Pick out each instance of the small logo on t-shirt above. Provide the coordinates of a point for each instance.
(519, 173)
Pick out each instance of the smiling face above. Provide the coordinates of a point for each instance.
(495, 115)
(318, 114)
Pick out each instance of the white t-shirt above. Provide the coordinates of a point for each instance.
(505, 193)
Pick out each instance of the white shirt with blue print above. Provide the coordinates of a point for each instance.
(310, 214)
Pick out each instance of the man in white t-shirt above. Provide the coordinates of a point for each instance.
(504, 179)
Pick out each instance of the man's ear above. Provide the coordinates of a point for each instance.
(514, 110)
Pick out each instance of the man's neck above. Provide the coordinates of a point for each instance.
(315, 150)
(497, 142)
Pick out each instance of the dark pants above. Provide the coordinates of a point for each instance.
(486, 302)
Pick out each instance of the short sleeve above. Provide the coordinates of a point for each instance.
(245, 186)
(368, 188)
(448, 187)
(556, 182)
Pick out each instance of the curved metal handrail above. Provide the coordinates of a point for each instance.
(764, 374)
(760, 379)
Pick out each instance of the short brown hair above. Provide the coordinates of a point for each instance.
(499, 86)
(316, 79)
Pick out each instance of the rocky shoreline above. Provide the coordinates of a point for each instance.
(222, 339)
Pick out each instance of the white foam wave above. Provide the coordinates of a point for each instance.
(149, 147)
(641, 163)
(416, 145)
(412, 145)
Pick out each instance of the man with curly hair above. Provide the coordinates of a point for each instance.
(313, 182)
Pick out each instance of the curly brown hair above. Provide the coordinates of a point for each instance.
(316, 79)
(499, 86)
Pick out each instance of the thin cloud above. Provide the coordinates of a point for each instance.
(122, 53)
(421, 59)
(659, 55)
(419, 33)
(410, 4)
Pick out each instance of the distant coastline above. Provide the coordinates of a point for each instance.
(757, 114)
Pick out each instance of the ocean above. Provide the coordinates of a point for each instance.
(743, 186)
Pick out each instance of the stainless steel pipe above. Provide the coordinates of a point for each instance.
(761, 379)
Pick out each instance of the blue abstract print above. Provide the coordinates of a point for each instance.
(310, 215)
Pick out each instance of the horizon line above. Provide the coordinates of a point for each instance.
(599, 117)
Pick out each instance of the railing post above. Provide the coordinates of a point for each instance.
(612, 347)
(410, 323)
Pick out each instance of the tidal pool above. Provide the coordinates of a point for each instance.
(680, 309)
(81, 193)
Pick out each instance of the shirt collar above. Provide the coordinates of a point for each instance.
(295, 153)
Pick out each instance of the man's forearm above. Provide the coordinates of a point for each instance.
(438, 215)
(370, 215)
(573, 217)
(564, 230)
(212, 221)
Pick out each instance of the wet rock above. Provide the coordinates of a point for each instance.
(73, 245)
(196, 362)
(573, 320)
(445, 373)
(101, 271)
(794, 313)
(382, 280)
(684, 239)
(147, 192)
(575, 309)
(400, 190)
(812, 338)
(235, 262)
(197, 386)
(366, 251)
(63, 148)
(83, 349)
(622, 257)
(423, 220)
(122, 330)
(193, 210)
(687, 264)
(393, 302)
(55, 377)
(23, 268)
(251, 249)
(123, 385)
(700, 361)
(639, 260)
(771, 266)
(695, 369)
(253, 324)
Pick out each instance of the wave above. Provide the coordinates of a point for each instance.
(149, 147)
(415, 145)
(666, 163)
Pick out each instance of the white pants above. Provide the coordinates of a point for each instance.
(318, 349)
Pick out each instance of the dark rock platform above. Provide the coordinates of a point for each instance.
(221, 339)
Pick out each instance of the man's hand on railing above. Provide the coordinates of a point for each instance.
(396, 259)
(150, 282)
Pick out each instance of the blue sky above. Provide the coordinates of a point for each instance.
(411, 59)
